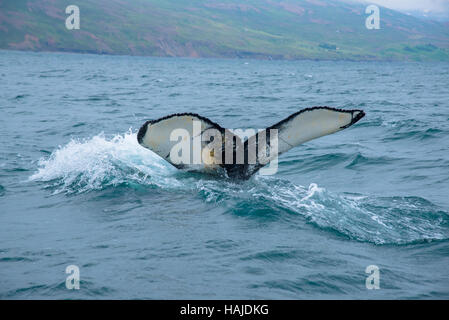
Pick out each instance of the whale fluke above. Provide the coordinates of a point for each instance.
(190, 141)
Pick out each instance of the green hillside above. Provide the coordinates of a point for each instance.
(295, 29)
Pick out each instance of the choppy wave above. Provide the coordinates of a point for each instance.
(101, 162)
(408, 128)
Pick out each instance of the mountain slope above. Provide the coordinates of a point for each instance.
(212, 28)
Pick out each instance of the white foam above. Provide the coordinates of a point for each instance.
(90, 164)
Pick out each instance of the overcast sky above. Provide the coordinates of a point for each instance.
(435, 6)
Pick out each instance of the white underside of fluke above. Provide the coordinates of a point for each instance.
(309, 125)
(164, 136)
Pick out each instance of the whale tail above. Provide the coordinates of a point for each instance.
(190, 141)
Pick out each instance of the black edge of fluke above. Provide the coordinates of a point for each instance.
(142, 131)
(143, 128)
(360, 115)
(290, 117)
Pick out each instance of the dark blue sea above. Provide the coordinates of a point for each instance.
(77, 189)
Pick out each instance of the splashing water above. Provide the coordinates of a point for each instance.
(99, 163)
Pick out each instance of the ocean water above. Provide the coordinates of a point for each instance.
(77, 189)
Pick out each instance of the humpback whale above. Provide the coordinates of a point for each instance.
(190, 141)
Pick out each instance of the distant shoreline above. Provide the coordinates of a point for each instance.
(223, 57)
